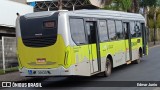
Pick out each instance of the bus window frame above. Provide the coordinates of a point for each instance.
(122, 30)
(106, 19)
(140, 28)
(86, 39)
(106, 28)
(134, 29)
(90, 19)
(128, 21)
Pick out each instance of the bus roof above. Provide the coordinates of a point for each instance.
(109, 14)
(91, 13)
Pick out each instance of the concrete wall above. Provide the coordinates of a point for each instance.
(8, 10)
(20, 1)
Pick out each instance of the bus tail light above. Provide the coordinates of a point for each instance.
(66, 58)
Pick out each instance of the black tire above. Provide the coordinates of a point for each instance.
(139, 58)
(108, 68)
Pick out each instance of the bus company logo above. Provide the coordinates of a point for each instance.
(38, 34)
(6, 84)
(30, 71)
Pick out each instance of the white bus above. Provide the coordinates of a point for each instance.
(82, 42)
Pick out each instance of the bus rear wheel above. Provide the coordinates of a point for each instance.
(108, 68)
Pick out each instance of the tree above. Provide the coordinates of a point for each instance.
(146, 3)
(107, 2)
(156, 4)
(135, 6)
(126, 5)
(120, 5)
(158, 18)
(60, 4)
(150, 3)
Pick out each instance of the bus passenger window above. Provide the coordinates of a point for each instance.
(91, 32)
(132, 29)
(126, 29)
(112, 30)
(138, 29)
(77, 31)
(119, 30)
(103, 34)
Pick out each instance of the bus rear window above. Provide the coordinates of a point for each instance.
(49, 24)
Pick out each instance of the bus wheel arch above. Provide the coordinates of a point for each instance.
(109, 56)
(140, 54)
(108, 66)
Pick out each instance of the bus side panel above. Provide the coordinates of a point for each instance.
(136, 44)
(116, 49)
(80, 56)
(120, 52)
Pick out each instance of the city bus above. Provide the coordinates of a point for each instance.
(79, 43)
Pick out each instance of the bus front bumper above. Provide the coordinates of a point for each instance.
(61, 71)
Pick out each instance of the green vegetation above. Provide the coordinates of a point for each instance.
(13, 69)
(1, 72)
(149, 8)
(120, 5)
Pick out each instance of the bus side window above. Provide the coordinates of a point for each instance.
(132, 29)
(111, 29)
(138, 29)
(119, 29)
(77, 31)
(103, 34)
(91, 32)
(126, 27)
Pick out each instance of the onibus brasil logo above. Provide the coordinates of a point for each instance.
(14, 84)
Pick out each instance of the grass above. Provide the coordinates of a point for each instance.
(1, 72)
(13, 69)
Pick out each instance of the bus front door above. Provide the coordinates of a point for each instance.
(93, 46)
(144, 38)
(128, 45)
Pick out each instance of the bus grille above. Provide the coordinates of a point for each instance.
(39, 42)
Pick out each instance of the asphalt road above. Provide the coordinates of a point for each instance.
(147, 70)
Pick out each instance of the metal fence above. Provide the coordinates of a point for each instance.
(1, 60)
(8, 53)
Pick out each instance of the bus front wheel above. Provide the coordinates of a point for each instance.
(108, 68)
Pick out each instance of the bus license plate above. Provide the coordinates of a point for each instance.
(42, 72)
